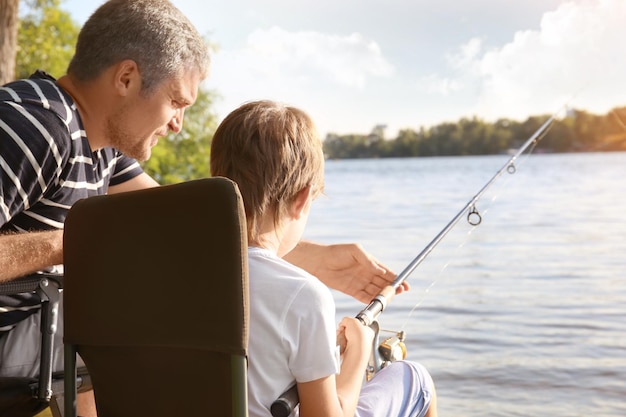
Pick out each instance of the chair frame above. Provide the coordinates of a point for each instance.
(47, 286)
(48, 388)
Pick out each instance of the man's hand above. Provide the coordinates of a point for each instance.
(344, 267)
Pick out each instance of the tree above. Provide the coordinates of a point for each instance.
(8, 39)
(406, 144)
(46, 39)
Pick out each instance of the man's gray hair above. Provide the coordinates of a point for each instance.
(153, 33)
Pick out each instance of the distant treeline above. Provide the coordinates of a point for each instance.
(579, 131)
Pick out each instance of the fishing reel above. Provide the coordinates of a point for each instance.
(383, 353)
(393, 348)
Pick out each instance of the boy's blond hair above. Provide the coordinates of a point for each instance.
(272, 151)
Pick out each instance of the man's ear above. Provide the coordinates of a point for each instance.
(300, 202)
(127, 77)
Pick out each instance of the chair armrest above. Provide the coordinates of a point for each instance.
(29, 283)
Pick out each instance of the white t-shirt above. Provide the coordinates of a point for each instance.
(292, 329)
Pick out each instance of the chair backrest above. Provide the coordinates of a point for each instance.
(156, 299)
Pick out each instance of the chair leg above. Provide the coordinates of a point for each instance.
(49, 293)
(70, 380)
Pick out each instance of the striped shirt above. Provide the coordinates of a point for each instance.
(46, 165)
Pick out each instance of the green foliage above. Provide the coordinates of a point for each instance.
(186, 155)
(579, 131)
(46, 39)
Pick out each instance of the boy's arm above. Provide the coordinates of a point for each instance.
(355, 339)
(338, 395)
(319, 398)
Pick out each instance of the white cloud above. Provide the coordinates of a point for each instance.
(347, 60)
(576, 56)
(436, 84)
(288, 61)
(359, 63)
(308, 69)
(468, 54)
(464, 67)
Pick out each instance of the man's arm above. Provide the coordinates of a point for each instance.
(344, 267)
(24, 253)
(139, 182)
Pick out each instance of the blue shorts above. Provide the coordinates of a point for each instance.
(402, 389)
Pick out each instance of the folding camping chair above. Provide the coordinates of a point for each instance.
(156, 300)
(26, 396)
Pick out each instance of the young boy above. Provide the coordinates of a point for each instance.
(274, 153)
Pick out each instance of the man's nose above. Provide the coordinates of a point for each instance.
(176, 124)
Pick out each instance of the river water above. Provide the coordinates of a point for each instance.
(522, 315)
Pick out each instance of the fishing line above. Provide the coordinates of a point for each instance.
(483, 215)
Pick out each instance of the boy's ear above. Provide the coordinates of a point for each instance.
(300, 202)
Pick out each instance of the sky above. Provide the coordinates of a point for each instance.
(406, 64)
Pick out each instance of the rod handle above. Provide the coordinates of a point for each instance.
(388, 292)
(284, 405)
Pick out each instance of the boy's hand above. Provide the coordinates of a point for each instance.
(352, 334)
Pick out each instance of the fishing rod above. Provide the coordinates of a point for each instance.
(393, 348)
(370, 313)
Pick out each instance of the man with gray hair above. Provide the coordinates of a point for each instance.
(138, 65)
